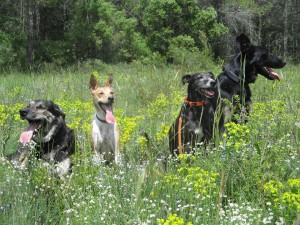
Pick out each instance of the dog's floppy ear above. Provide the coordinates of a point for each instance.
(93, 83)
(57, 111)
(243, 43)
(186, 79)
(211, 74)
(109, 81)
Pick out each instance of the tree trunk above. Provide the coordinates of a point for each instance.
(30, 33)
(286, 29)
(37, 21)
(22, 14)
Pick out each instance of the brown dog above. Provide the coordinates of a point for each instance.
(105, 130)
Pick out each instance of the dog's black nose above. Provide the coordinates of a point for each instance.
(213, 83)
(24, 112)
(111, 99)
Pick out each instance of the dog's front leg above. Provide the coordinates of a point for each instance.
(116, 143)
(96, 138)
(20, 158)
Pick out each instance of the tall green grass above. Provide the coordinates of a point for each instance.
(252, 177)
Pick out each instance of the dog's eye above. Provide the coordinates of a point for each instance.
(111, 92)
(40, 107)
(101, 93)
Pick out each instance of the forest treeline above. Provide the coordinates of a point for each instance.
(63, 32)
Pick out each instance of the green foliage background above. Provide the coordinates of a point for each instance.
(35, 33)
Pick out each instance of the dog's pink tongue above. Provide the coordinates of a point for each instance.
(109, 114)
(26, 136)
(275, 75)
(110, 117)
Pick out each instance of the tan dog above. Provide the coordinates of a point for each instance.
(105, 130)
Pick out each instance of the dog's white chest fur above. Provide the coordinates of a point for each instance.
(105, 139)
(199, 132)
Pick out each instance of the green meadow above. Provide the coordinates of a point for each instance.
(249, 176)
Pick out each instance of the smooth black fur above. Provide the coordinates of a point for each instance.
(197, 121)
(242, 70)
(52, 139)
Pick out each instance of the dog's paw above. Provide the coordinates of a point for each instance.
(98, 159)
(63, 168)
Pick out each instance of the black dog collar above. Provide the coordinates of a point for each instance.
(101, 120)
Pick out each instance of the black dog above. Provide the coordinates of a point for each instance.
(195, 121)
(242, 70)
(47, 136)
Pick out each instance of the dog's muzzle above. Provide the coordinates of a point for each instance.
(23, 113)
(111, 100)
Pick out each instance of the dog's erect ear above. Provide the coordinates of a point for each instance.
(243, 43)
(93, 83)
(186, 79)
(109, 81)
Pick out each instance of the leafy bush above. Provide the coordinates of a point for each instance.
(183, 51)
(284, 197)
(115, 35)
(55, 52)
(168, 23)
(173, 219)
(192, 178)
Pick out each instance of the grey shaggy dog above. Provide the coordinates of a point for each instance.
(47, 137)
(196, 114)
